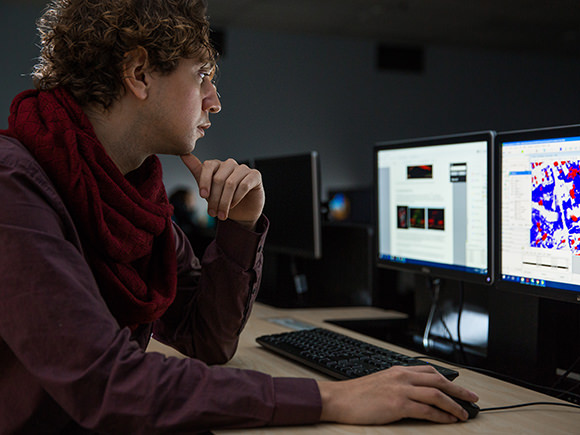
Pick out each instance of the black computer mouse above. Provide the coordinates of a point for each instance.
(471, 408)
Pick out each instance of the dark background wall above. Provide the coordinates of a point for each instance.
(285, 93)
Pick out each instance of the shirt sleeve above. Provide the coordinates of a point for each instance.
(214, 298)
(58, 335)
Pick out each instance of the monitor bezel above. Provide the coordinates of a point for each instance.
(544, 292)
(436, 270)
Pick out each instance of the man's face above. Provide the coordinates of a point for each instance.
(179, 107)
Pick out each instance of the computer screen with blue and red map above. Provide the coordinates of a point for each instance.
(539, 191)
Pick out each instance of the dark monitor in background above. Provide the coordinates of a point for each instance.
(539, 213)
(292, 185)
(434, 206)
(351, 205)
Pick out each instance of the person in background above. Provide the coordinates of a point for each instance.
(92, 265)
(185, 216)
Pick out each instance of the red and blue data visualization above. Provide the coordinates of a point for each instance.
(556, 205)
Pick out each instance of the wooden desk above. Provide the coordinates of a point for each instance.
(492, 392)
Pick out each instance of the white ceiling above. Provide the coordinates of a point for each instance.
(545, 25)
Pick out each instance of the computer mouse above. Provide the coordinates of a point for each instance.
(471, 408)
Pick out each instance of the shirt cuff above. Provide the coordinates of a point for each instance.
(240, 244)
(297, 401)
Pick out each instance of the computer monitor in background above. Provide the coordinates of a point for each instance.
(539, 214)
(434, 206)
(292, 185)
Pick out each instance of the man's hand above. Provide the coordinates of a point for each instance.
(231, 190)
(393, 394)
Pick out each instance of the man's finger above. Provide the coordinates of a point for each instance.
(196, 168)
(193, 164)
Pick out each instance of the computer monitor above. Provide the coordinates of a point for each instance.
(434, 206)
(292, 185)
(539, 213)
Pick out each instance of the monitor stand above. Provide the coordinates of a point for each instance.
(283, 284)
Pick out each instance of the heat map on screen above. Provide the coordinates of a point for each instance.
(556, 205)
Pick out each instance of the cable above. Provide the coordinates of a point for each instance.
(521, 405)
(569, 390)
(454, 342)
(435, 286)
(444, 323)
(459, 313)
(503, 377)
(448, 331)
(565, 375)
(434, 307)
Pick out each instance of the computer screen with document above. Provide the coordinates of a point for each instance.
(434, 206)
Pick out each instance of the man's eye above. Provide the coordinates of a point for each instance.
(210, 74)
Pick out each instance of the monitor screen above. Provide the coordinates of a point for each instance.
(292, 185)
(434, 206)
(539, 213)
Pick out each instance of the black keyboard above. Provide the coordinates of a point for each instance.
(338, 355)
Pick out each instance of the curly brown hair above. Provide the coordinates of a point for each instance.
(84, 42)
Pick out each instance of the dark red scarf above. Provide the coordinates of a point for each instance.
(124, 222)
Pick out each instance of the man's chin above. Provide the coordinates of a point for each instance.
(177, 152)
(185, 149)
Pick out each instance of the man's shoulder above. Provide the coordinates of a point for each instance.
(13, 153)
(10, 143)
(16, 162)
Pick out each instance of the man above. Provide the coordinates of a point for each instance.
(92, 265)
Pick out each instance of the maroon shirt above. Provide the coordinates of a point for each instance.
(65, 364)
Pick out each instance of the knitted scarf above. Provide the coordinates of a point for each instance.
(124, 222)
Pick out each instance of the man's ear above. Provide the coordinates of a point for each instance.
(136, 74)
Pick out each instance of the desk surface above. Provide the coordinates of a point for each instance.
(492, 392)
